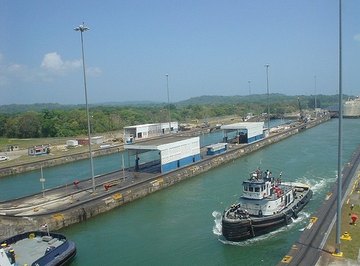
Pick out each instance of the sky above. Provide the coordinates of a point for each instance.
(206, 47)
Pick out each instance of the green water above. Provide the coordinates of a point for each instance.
(181, 225)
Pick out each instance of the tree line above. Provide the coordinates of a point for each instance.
(67, 122)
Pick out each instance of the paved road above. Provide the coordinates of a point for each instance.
(307, 250)
(61, 198)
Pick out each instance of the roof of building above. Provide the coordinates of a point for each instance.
(153, 144)
(243, 125)
(143, 125)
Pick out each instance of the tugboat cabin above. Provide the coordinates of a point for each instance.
(257, 187)
(263, 195)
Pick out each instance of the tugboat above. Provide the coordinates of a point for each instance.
(266, 204)
(36, 248)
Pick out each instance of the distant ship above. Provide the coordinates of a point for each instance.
(266, 204)
(352, 108)
(36, 248)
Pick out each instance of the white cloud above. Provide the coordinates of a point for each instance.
(357, 37)
(50, 70)
(15, 68)
(94, 71)
(53, 62)
(11, 74)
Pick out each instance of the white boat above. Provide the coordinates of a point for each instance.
(266, 204)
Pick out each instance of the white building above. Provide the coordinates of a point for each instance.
(246, 132)
(132, 133)
(167, 153)
(97, 139)
(72, 143)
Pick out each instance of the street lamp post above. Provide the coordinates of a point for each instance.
(83, 28)
(268, 95)
(249, 81)
(315, 104)
(339, 166)
(42, 180)
(168, 98)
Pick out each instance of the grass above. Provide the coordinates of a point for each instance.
(26, 143)
(350, 248)
(57, 149)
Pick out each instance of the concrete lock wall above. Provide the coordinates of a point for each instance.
(79, 212)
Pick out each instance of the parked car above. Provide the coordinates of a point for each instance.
(4, 158)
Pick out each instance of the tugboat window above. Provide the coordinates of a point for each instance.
(257, 189)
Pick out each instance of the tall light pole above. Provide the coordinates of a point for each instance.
(168, 98)
(42, 180)
(83, 28)
(315, 104)
(249, 81)
(268, 95)
(339, 174)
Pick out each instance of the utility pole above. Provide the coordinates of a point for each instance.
(168, 98)
(268, 96)
(82, 29)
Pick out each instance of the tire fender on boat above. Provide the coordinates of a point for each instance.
(287, 219)
(294, 214)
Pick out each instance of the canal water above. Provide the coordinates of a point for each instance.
(181, 225)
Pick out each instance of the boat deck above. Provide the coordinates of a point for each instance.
(29, 250)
